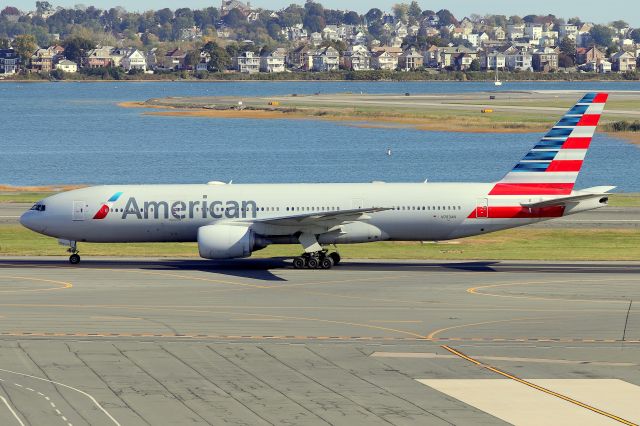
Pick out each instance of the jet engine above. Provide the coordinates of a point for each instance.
(228, 241)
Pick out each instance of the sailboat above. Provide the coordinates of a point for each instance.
(497, 82)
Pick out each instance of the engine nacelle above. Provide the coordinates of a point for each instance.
(228, 241)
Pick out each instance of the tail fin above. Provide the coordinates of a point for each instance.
(552, 166)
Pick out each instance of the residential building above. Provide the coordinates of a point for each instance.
(134, 60)
(383, 60)
(623, 62)
(247, 62)
(300, 58)
(42, 60)
(99, 58)
(316, 39)
(228, 5)
(533, 31)
(568, 30)
(515, 31)
(272, 62)
(518, 59)
(493, 60)
(499, 34)
(326, 59)
(357, 58)
(9, 61)
(67, 66)
(174, 60)
(590, 54)
(410, 59)
(545, 59)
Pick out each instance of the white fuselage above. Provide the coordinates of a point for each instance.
(174, 213)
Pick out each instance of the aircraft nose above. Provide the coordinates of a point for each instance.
(30, 221)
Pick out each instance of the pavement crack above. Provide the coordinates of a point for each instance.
(320, 384)
(99, 376)
(176, 397)
(51, 381)
(192, 368)
(267, 384)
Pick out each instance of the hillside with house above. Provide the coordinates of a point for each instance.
(236, 38)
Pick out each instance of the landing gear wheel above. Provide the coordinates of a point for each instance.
(312, 263)
(298, 263)
(335, 257)
(74, 259)
(326, 263)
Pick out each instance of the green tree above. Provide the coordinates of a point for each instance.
(352, 18)
(76, 47)
(373, 15)
(234, 18)
(25, 45)
(446, 17)
(314, 23)
(43, 7)
(601, 35)
(414, 10)
(401, 11)
(635, 35)
(619, 25)
(5, 43)
(192, 59)
(475, 65)
(515, 20)
(613, 49)
(220, 59)
(568, 47)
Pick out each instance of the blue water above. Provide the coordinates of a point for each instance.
(65, 133)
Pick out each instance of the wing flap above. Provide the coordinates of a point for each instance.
(321, 218)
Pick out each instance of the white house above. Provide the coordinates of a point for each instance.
(357, 58)
(272, 62)
(8, 61)
(247, 62)
(134, 60)
(533, 31)
(383, 60)
(67, 66)
(326, 59)
(494, 60)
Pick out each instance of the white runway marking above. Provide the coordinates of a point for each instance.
(12, 411)
(93, 400)
(525, 406)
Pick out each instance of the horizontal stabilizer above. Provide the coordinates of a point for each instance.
(586, 194)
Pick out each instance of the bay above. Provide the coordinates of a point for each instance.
(74, 133)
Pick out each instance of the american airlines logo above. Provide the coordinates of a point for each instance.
(179, 210)
(106, 207)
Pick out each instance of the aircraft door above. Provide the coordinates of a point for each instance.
(79, 209)
(482, 208)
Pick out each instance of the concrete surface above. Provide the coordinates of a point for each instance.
(174, 342)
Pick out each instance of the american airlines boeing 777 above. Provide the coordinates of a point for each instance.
(231, 221)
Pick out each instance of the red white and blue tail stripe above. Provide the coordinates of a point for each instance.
(552, 166)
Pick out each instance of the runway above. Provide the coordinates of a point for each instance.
(153, 341)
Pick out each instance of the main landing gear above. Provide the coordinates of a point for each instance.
(317, 260)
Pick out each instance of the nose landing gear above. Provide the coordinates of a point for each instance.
(74, 259)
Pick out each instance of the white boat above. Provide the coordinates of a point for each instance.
(497, 82)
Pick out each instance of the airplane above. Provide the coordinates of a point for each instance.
(233, 220)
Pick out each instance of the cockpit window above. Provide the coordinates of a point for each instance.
(39, 207)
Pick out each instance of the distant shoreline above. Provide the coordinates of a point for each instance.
(315, 81)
